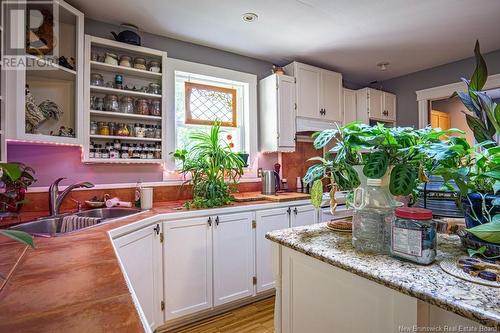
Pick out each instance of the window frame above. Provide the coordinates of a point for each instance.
(188, 87)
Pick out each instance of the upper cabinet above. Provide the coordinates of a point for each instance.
(319, 92)
(43, 95)
(277, 113)
(349, 106)
(375, 105)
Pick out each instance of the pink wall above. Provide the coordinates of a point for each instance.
(51, 162)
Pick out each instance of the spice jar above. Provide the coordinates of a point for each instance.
(154, 88)
(92, 153)
(124, 151)
(127, 105)
(98, 103)
(104, 153)
(96, 79)
(150, 152)
(122, 130)
(118, 81)
(111, 103)
(114, 153)
(157, 132)
(126, 61)
(157, 153)
(140, 63)
(93, 128)
(142, 107)
(154, 66)
(112, 128)
(413, 235)
(117, 145)
(155, 107)
(139, 130)
(103, 128)
(144, 152)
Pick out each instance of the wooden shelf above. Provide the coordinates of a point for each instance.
(122, 161)
(41, 68)
(124, 70)
(123, 92)
(125, 138)
(123, 115)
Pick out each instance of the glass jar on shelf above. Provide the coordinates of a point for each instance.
(140, 63)
(117, 144)
(142, 107)
(112, 128)
(103, 128)
(92, 153)
(111, 103)
(150, 132)
(124, 151)
(155, 107)
(139, 130)
(131, 129)
(127, 105)
(125, 61)
(157, 154)
(154, 66)
(144, 152)
(122, 130)
(93, 128)
(158, 132)
(97, 103)
(154, 88)
(372, 217)
(150, 152)
(97, 80)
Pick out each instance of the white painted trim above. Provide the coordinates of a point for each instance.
(424, 96)
(250, 85)
(175, 182)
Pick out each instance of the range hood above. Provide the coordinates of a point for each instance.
(312, 125)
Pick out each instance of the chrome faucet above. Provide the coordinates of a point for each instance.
(56, 199)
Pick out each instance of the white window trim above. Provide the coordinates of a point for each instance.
(250, 117)
(425, 96)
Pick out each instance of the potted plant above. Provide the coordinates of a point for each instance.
(16, 178)
(214, 169)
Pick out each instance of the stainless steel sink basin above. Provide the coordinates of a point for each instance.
(51, 226)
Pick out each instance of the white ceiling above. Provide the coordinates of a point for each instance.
(351, 36)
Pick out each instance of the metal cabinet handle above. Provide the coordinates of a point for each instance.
(296, 211)
(289, 211)
(157, 229)
(217, 220)
(385, 113)
(210, 221)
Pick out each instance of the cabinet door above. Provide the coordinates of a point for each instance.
(349, 106)
(140, 256)
(308, 91)
(233, 251)
(375, 103)
(389, 111)
(303, 215)
(187, 256)
(331, 95)
(266, 221)
(286, 111)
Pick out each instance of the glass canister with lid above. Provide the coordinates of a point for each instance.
(373, 213)
(414, 235)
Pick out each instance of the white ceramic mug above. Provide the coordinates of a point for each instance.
(146, 198)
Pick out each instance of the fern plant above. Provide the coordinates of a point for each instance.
(213, 167)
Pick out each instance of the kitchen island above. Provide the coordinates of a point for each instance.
(324, 285)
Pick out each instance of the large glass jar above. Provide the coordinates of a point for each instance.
(103, 128)
(98, 103)
(414, 235)
(93, 128)
(127, 105)
(111, 103)
(154, 88)
(97, 80)
(122, 130)
(372, 216)
(155, 108)
(142, 107)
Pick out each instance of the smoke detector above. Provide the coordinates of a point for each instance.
(249, 17)
(383, 66)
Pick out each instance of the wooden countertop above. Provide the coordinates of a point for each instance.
(73, 283)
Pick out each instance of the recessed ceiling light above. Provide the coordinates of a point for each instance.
(383, 65)
(249, 17)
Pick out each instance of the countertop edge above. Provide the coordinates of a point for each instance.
(468, 313)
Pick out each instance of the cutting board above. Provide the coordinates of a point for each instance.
(287, 196)
(247, 196)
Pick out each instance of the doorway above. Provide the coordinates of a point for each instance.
(449, 113)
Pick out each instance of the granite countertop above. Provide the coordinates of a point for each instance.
(428, 283)
(73, 282)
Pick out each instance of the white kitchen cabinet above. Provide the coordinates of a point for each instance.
(303, 215)
(141, 258)
(233, 257)
(187, 254)
(266, 221)
(319, 92)
(373, 104)
(277, 113)
(349, 106)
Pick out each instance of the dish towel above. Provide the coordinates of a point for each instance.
(73, 222)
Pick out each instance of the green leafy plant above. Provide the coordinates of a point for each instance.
(16, 178)
(213, 167)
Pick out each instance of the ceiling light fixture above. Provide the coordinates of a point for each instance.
(249, 17)
(383, 65)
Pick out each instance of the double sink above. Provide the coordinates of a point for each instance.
(51, 226)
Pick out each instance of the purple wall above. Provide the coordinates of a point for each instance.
(51, 162)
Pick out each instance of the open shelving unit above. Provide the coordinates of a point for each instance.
(134, 80)
(47, 80)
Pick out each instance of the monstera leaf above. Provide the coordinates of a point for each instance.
(402, 179)
(376, 165)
